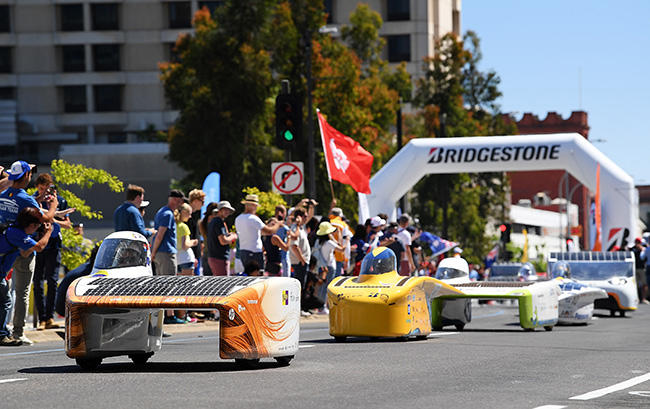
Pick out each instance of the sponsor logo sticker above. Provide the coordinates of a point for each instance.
(285, 297)
(231, 314)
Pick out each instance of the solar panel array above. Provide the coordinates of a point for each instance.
(592, 256)
(167, 286)
(494, 284)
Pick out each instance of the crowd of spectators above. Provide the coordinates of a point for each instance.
(30, 249)
(294, 242)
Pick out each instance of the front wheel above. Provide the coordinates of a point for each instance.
(89, 364)
(340, 339)
(140, 359)
(548, 327)
(622, 313)
(460, 327)
(421, 337)
(284, 360)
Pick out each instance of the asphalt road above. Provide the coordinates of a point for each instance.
(492, 364)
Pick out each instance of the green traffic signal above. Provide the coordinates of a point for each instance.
(288, 136)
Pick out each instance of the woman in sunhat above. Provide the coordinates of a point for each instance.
(324, 253)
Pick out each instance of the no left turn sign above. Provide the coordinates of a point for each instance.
(288, 178)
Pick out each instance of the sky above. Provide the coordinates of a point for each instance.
(571, 55)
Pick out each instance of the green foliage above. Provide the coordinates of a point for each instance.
(540, 262)
(74, 251)
(65, 173)
(222, 88)
(454, 97)
(150, 134)
(363, 33)
(268, 202)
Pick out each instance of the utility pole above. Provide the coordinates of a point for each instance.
(402, 200)
(310, 120)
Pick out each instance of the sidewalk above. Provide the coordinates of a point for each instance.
(51, 335)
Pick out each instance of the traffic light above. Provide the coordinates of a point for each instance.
(288, 120)
(505, 229)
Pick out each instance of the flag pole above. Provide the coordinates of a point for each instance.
(327, 165)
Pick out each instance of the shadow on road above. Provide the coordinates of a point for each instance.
(154, 367)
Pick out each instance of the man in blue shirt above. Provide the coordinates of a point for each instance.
(127, 216)
(48, 261)
(12, 201)
(14, 242)
(163, 250)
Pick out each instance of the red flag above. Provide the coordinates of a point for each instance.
(346, 160)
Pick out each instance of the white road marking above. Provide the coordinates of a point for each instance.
(614, 388)
(439, 334)
(645, 394)
(173, 341)
(12, 380)
(306, 346)
(44, 351)
(550, 407)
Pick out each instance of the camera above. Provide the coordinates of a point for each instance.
(49, 193)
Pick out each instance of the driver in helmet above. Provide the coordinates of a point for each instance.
(379, 261)
(526, 273)
(561, 270)
(128, 257)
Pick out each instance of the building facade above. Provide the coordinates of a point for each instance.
(85, 71)
(79, 79)
(410, 28)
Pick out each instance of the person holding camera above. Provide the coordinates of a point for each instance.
(48, 261)
(17, 241)
(12, 201)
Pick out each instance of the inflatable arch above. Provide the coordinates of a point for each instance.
(570, 152)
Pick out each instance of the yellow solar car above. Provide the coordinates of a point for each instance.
(380, 302)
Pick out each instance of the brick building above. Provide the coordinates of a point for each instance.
(539, 186)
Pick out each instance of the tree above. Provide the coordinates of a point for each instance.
(229, 73)
(457, 99)
(222, 88)
(358, 92)
(67, 174)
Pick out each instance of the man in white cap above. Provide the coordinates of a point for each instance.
(12, 201)
(249, 230)
(376, 236)
(407, 266)
(219, 239)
